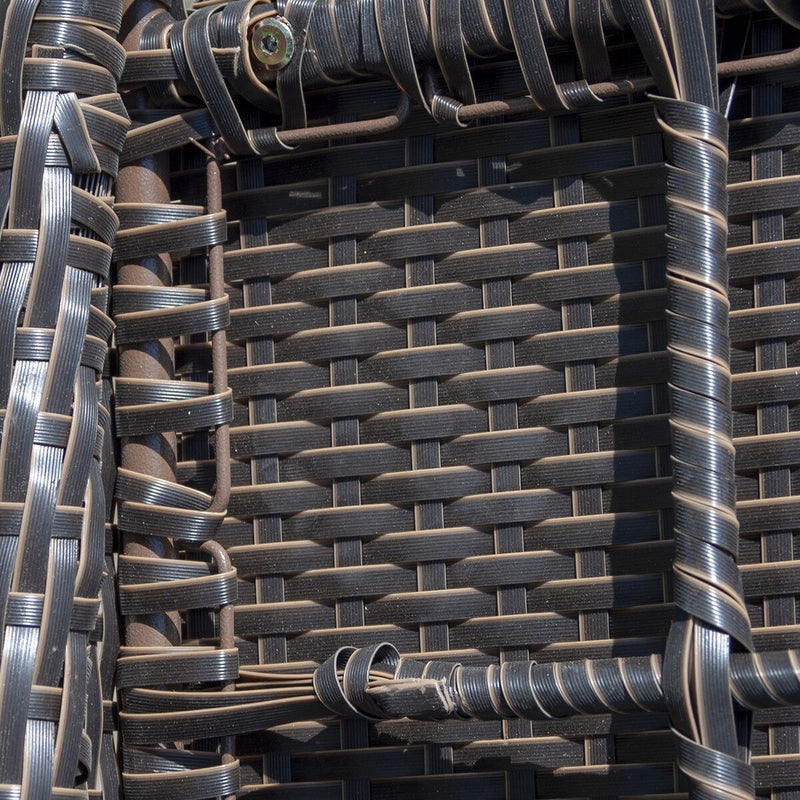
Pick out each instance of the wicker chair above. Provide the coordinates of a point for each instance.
(399, 399)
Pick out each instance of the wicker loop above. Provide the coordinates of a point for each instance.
(289, 83)
(348, 695)
(156, 35)
(448, 44)
(445, 109)
(716, 770)
(381, 658)
(207, 57)
(707, 582)
(328, 686)
(395, 36)
(478, 693)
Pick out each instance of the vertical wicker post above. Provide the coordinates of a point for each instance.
(707, 582)
(63, 126)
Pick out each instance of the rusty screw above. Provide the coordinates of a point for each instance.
(272, 42)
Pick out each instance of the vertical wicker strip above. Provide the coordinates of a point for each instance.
(710, 740)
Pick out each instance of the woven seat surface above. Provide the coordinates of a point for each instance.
(476, 416)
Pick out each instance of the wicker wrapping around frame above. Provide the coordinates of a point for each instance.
(428, 405)
(62, 127)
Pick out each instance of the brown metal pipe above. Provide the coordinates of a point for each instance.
(222, 440)
(725, 69)
(219, 342)
(147, 181)
(226, 642)
(521, 105)
(342, 130)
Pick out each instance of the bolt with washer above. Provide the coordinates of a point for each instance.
(272, 42)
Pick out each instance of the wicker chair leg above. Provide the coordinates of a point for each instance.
(63, 126)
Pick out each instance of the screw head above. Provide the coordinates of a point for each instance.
(272, 42)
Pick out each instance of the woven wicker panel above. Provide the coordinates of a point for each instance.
(439, 405)
(450, 426)
(426, 439)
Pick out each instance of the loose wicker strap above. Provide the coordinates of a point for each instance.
(375, 683)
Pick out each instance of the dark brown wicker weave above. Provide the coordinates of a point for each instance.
(454, 390)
